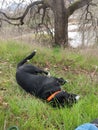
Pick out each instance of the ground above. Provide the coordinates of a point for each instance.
(78, 66)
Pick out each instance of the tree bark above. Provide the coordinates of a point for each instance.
(60, 22)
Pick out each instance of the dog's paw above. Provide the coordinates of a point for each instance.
(77, 97)
(28, 60)
(48, 74)
(35, 50)
(66, 81)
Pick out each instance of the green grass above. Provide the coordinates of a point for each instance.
(29, 113)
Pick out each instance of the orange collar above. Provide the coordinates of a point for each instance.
(52, 95)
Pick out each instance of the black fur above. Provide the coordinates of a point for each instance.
(36, 82)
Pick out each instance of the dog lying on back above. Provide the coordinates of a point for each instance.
(37, 82)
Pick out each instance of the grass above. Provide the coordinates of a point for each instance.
(29, 113)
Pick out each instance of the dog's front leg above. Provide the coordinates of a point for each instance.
(61, 81)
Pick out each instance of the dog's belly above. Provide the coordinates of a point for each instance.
(40, 86)
(49, 86)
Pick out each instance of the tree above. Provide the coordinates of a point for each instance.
(61, 14)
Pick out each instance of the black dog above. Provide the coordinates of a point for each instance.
(36, 82)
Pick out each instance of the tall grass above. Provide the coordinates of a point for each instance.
(29, 113)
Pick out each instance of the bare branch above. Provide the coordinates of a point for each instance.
(50, 32)
(88, 16)
(28, 8)
(44, 7)
(76, 5)
(6, 20)
(21, 18)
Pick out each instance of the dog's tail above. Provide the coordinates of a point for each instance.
(26, 59)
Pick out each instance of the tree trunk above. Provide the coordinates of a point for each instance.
(60, 22)
(61, 26)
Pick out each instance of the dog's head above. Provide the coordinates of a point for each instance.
(63, 98)
(71, 98)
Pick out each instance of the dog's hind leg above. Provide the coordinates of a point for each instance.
(30, 68)
(43, 72)
(37, 70)
(26, 59)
